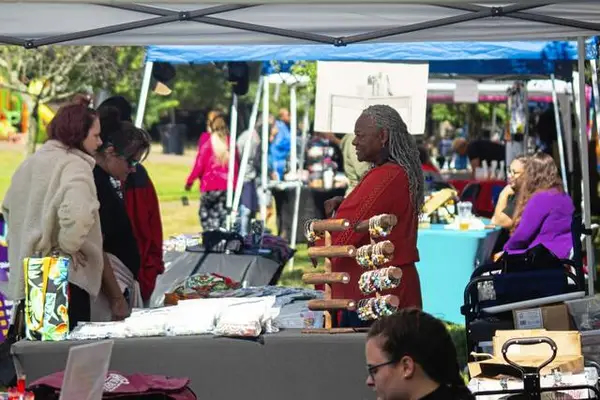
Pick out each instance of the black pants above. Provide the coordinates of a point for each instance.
(79, 306)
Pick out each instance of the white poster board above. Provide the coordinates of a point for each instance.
(466, 91)
(345, 89)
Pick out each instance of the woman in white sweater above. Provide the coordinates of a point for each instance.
(52, 205)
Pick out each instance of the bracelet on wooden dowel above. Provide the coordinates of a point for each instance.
(379, 280)
(376, 307)
(374, 255)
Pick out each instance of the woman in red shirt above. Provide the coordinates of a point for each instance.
(393, 186)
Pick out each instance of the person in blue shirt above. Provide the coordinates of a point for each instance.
(279, 145)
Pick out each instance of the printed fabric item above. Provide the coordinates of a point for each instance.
(123, 387)
(46, 298)
(200, 286)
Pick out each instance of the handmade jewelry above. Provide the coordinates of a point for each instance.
(377, 256)
(377, 280)
(363, 257)
(365, 310)
(375, 307)
(375, 229)
(309, 233)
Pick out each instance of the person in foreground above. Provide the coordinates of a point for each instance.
(544, 212)
(52, 205)
(410, 356)
(393, 186)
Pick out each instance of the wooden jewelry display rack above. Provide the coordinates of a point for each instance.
(378, 227)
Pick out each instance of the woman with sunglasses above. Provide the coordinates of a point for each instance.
(410, 356)
(124, 146)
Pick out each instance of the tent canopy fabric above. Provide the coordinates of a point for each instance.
(38, 23)
(465, 58)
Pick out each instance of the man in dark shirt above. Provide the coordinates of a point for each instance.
(480, 150)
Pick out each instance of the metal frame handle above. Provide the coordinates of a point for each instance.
(529, 342)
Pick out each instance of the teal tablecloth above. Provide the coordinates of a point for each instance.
(448, 258)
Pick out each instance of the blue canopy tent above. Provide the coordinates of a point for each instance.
(465, 58)
(476, 59)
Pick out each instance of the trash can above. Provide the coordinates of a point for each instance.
(173, 138)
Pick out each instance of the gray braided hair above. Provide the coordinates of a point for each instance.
(402, 149)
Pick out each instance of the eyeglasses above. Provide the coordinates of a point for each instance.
(372, 369)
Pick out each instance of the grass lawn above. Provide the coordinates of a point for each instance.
(168, 173)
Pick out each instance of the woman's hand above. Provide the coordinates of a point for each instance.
(332, 205)
(507, 191)
(497, 256)
(188, 188)
(79, 260)
(119, 308)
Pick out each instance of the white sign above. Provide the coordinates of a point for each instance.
(345, 89)
(466, 92)
(87, 366)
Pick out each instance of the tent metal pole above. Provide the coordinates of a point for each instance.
(231, 24)
(12, 41)
(264, 151)
(518, 14)
(305, 124)
(141, 108)
(594, 66)
(247, 146)
(479, 13)
(231, 167)
(585, 173)
(559, 135)
(294, 163)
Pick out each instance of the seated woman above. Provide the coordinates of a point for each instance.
(410, 355)
(544, 211)
(507, 200)
(429, 169)
(393, 186)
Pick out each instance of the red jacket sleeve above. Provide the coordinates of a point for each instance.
(144, 212)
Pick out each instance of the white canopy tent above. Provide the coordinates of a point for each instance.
(338, 22)
(39, 23)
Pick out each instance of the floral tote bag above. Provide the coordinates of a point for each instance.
(46, 297)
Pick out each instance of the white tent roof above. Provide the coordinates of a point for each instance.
(41, 22)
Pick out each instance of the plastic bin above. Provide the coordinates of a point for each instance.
(585, 313)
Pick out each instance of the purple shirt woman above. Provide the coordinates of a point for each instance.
(544, 211)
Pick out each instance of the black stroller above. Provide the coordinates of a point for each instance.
(530, 280)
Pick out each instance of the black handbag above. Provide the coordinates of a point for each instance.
(16, 332)
(533, 274)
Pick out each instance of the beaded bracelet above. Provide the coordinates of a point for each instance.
(309, 233)
(363, 258)
(377, 256)
(375, 229)
(377, 280)
(375, 307)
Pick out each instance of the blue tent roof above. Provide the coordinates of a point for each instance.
(475, 58)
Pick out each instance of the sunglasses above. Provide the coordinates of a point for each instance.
(372, 369)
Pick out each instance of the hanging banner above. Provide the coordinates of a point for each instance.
(345, 89)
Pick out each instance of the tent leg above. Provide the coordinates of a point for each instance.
(294, 167)
(231, 167)
(265, 150)
(585, 173)
(141, 110)
(247, 146)
(559, 136)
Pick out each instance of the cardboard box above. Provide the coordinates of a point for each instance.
(552, 318)
(568, 356)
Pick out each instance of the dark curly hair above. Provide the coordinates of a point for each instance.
(540, 174)
(71, 125)
(424, 338)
